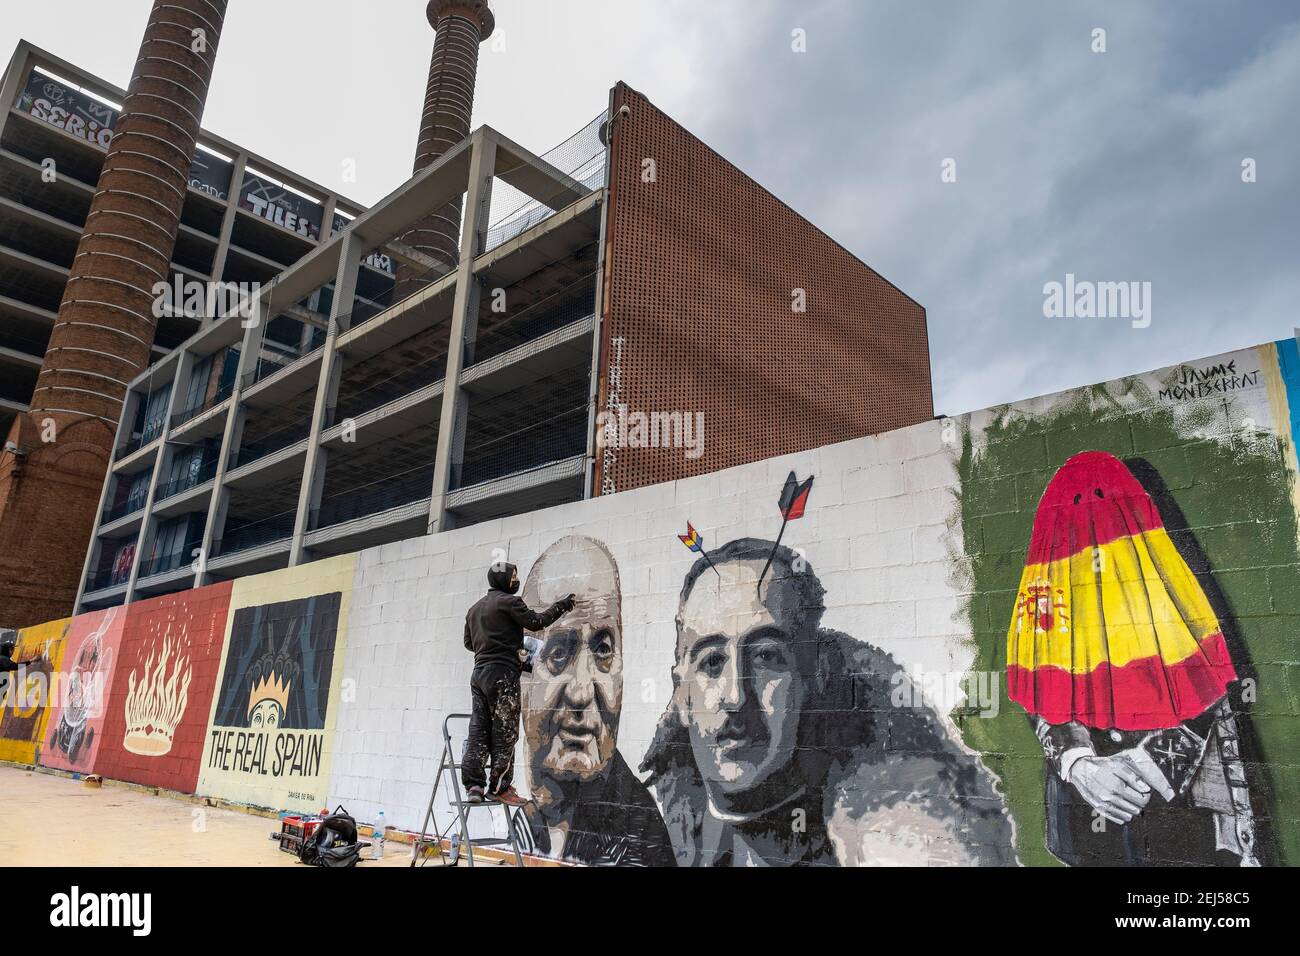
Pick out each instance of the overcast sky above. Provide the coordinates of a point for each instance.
(1117, 166)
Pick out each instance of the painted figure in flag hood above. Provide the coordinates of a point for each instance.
(779, 745)
(1119, 659)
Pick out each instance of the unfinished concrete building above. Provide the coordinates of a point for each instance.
(629, 271)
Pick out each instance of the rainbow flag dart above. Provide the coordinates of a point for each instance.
(695, 543)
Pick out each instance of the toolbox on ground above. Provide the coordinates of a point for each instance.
(294, 830)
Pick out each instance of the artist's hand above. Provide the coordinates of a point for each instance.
(1112, 786)
(570, 602)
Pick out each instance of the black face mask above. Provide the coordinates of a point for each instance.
(499, 576)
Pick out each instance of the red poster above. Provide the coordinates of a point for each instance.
(79, 700)
(168, 661)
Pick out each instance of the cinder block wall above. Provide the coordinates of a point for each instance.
(889, 734)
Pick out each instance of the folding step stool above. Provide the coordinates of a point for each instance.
(461, 838)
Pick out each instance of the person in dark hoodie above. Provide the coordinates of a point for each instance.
(8, 647)
(494, 631)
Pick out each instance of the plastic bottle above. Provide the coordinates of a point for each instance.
(377, 841)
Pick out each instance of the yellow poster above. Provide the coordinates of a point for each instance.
(269, 735)
(25, 694)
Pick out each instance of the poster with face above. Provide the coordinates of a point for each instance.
(25, 693)
(75, 726)
(168, 658)
(273, 711)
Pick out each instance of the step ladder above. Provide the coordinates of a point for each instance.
(460, 840)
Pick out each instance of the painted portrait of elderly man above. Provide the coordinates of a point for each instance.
(780, 746)
(586, 805)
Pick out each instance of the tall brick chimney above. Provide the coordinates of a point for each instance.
(461, 26)
(54, 462)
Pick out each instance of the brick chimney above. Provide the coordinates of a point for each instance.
(57, 454)
(461, 26)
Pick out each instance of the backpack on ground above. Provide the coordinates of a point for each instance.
(334, 842)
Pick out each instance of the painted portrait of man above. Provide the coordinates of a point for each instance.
(587, 806)
(780, 745)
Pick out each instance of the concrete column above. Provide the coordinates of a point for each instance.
(313, 475)
(184, 362)
(464, 323)
(20, 67)
(228, 219)
(602, 263)
(96, 545)
(231, 435)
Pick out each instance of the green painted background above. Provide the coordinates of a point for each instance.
(1235, 497)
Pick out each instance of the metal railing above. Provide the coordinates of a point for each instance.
(557, 437)
(276, 441)
(119, 511)
(405, 381)
(255, 534)
(171, 561)
(575, 301)
(206, 472)
(373, 498)
(151, 430)
(222, 393)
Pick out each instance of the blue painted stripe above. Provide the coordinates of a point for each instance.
(1288, 358)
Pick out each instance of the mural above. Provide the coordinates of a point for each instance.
(587, 806)
(166, 675)
(25, 694)
(780, 745)
(77, 714)
(1145, 635)
(272, 714)
(1059, 632)
(1117, 655)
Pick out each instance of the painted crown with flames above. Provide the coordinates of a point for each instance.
(270, 687)
(155, 706)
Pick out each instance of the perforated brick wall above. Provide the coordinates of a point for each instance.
(703, 264)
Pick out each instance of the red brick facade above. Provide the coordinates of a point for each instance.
(702, 265)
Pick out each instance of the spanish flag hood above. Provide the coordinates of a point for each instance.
(1110, 626)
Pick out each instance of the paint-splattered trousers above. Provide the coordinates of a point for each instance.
(493, 728)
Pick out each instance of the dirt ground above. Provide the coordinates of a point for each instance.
(58, 821)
